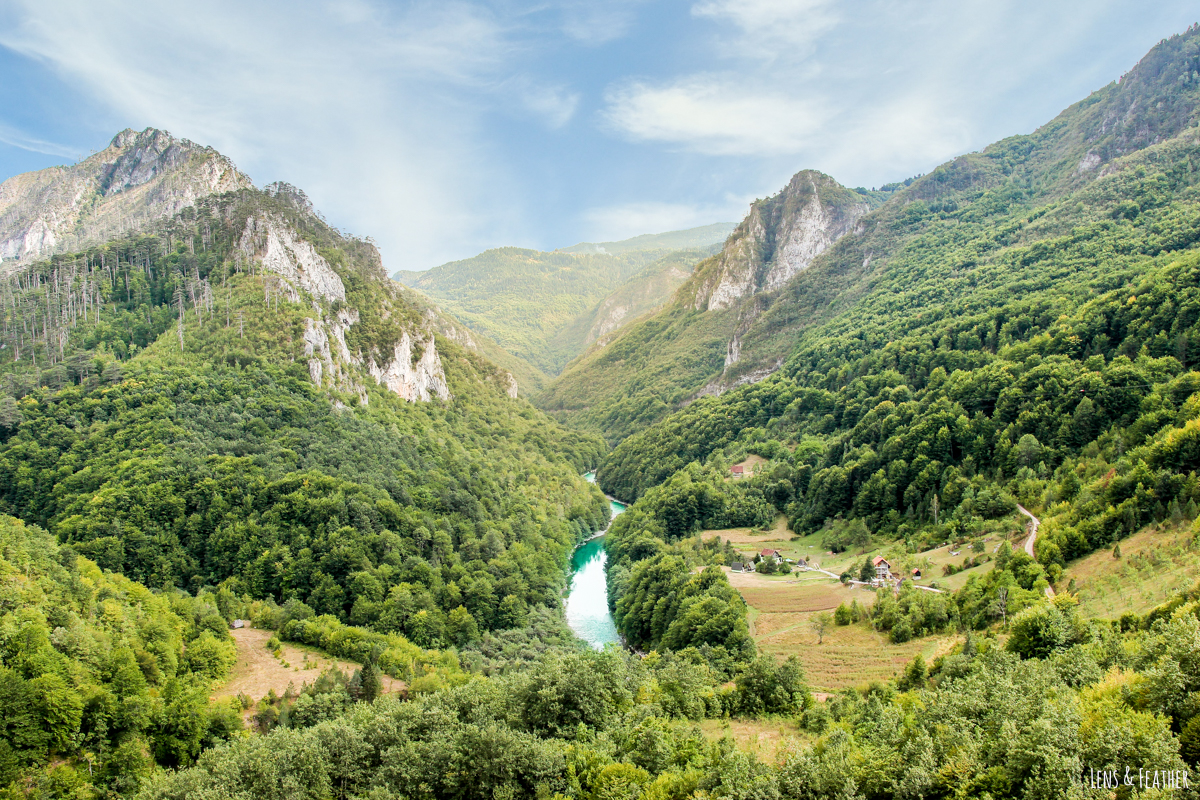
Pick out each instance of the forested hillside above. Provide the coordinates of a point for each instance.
(935, 238)
(188, 429)
(546, 308)
(100, 676)
(979, 722)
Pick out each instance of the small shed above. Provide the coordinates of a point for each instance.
(737, 566)
(238, 623)
(916, 573)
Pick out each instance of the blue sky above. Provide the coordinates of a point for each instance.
(442, 129)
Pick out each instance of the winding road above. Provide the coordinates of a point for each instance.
(1034, 522)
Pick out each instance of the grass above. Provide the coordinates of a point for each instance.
(780, 618)
(849, 656)
(1156, 563)
(763, 738)
(258, 671)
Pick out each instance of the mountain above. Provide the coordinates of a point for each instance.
(234, 400)
(974, 332)
(785, 270)
(690, 239)
(694, 344)
(242, 348)
(138, 178)
(644, 292)
(546, 307)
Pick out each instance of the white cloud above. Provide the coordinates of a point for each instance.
(12, 136)
(596, 22)
(716, 116)
(624, 221)
(770, 28)
(553, 104)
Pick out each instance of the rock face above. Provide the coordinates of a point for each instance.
(303, 275)
(137, 179)
(281, 251)
(779, 239)
(420, 380)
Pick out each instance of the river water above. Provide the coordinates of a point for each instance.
(587, 594)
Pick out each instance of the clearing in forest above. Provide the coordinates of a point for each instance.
(1155, 564)
(782, 609)
(258, 671)
(763, 738)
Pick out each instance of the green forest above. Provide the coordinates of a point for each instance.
(1018, 330)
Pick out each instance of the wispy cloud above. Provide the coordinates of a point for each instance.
(11, 136)
(715, 115)
(555, 105)
(769, 28)
(596, 22)
(374, 111)
(870, 94)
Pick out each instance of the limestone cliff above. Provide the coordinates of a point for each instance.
(139, 178)
(409, 365)
(778, 239)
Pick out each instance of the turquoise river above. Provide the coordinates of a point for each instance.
(587, 594)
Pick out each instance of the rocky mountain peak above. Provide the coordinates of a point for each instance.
(139, 178)
(778, 239)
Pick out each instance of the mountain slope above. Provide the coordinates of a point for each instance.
(694, 344)
(541, 306)
(1027, 328)
(687, 351)
(138, 178)
(690, 239)
(239, 395)
(646, 291)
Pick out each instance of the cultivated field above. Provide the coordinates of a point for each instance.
(781, 613)
(1154, 565)
(258, 671)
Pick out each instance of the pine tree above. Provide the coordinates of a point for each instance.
(1116, 551)
(355, 687)
(370, 683)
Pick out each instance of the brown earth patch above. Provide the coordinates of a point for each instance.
(258, 671)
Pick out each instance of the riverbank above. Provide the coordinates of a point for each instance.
(586, 602)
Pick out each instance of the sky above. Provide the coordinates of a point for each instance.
(441, 129)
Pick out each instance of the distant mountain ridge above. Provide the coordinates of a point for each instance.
(546, 308)
(691, 238)
(138, 178)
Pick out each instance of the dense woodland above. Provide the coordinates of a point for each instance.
(1029, 333)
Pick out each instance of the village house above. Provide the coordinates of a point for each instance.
(883, 571)
(737, 566)
(774, 555)
(737, 471)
